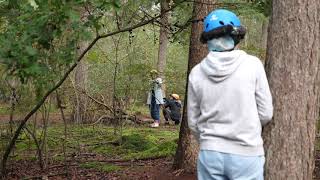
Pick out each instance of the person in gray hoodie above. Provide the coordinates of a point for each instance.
(229, 101)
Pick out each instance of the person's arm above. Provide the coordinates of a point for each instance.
(263, 96)
(193, 110)
(166, 102)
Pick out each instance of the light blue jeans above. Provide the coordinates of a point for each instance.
(214, 165)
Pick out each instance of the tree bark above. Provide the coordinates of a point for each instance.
(187, 151)
(81, 101)
(292, 68)
(163, 39)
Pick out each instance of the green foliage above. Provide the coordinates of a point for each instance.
(157, 150)
(256, 51)
(153, 143)
(136, 142)
(243, 7)
(38, 39)
(4, 110)
(264, 6)
(27, 39)
(135, 57)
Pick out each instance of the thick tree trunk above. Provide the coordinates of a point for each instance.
(81, 101)
(187, 151)
(292, 67)
(163, 38)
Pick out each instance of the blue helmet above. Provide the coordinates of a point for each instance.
(220, 18)
(222, 22)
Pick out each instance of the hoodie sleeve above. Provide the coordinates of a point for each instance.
(193, 110)
(263, 96)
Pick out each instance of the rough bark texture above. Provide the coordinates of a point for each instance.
(81, 101)
(163, 39)
(187, 151)
(292, 68)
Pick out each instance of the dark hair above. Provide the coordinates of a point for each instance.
(237, 33)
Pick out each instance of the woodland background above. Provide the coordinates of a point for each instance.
(75, 77)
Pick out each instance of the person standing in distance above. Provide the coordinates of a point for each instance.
(229, 101)
(155, 97)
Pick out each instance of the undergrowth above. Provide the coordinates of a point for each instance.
(135, 143)
(100, 166)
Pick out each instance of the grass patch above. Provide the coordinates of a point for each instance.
(100, 166)
(136, 143)
(4, 109)
(164, 149)
(140, 143)
(149, 143)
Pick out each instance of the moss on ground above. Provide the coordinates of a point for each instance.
(100, 166)
(4, 109)
(135, 143)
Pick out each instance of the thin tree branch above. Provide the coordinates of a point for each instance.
(39, 149)
(97, 101)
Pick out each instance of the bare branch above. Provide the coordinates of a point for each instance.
(97, 101)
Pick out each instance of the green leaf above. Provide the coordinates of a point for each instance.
(33, 4)
(117, 4)
(74, 15)
(31, 51)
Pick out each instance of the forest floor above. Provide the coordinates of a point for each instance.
(157, 169)
(153, 169)
(94, 152)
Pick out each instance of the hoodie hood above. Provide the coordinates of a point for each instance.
(220, 65)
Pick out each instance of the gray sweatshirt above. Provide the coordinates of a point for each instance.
(229, 101)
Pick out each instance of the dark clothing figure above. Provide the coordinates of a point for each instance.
(154, 107)
(172, 110)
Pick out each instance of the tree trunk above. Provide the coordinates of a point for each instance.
(163, 39)
(80, 106)
(187, 151)
(292, 67)
(264, 33)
